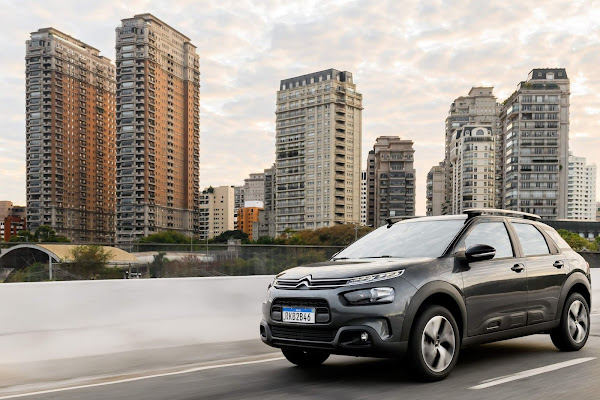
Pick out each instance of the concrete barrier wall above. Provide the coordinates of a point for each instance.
(52, 320)
(56, 320)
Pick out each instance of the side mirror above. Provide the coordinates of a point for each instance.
(480, 252)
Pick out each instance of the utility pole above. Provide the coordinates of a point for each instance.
(50, 266)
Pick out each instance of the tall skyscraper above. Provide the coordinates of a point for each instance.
(318, 151)
(435, 190)
(478, 108)
(70, 132)
(581, 191)
(535, 142)
(472, 165)
(391, 187)
(158, 129)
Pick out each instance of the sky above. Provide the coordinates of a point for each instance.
(409, 59)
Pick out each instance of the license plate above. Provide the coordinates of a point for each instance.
(299, 315)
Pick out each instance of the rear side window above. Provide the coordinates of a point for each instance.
(560, 242)
(493, 234)
(532, 240)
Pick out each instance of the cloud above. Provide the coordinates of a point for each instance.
(410, 60)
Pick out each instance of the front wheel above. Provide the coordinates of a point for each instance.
(434, 344)
(574, 328)
(305, 358)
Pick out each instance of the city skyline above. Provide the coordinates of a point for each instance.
(408, 72)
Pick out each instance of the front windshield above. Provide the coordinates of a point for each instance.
(406, 239)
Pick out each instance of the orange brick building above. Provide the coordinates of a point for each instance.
(247, 216)
(158, 129)
(70, 133)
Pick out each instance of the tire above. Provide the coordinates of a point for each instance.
(574, 329)
(434, 344)
(305, 358)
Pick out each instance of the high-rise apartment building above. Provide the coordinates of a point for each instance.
(435, 190)
(254, 187)
(318, 151)
(478, 108)
(70, 133)
(581, 191)
(363, 198)
(216, 211)
(238, 200)
(472, 165)
(535, 143)
(391, 185)
(158, 129)
(265, 226)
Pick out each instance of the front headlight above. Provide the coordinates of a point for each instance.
(370, 296)
(374, 278)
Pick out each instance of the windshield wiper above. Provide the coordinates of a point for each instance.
(340, 258)
(385, 256)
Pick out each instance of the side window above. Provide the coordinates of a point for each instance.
(493, 234)
(532, 241)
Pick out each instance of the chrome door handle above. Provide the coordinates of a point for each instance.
(558, 264)
(518, 267)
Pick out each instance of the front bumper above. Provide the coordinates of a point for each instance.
(341, 332)
(347, 341)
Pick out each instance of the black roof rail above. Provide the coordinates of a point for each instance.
(392, 220)
(475, 212)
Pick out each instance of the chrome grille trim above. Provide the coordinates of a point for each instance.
(309, 283)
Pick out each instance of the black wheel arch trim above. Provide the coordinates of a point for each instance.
(425, 292)
(576, 277)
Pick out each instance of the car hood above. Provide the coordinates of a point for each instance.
(343, 269)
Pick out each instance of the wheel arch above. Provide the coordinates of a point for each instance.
(576, 282)
(436, 293)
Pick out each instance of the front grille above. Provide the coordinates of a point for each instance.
(302, 333)
(306, 283)
(300, 302)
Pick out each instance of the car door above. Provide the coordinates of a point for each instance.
(546, 272)
(495, 290)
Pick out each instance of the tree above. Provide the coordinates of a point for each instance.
(167, 237)
(225, 236)
(158, 265)
(44, 233)
(576, 242)
(23, 236)
(337, 235)
(88, 261)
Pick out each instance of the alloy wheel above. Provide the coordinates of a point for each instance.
(438, 343)
(578, 321)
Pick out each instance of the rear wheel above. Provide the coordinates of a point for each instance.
(305, 358)
(434, 344)
(574, 328)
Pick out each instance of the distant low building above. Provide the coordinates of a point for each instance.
(247, 218)
(12, 220)
(216, 211)
(586, 229)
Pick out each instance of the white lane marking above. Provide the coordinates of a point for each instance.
(140, 378)
(531, 372)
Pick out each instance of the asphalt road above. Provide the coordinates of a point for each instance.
(268, 377)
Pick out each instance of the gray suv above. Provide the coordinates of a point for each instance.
(425, 287)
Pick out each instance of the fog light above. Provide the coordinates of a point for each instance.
(364, 336)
